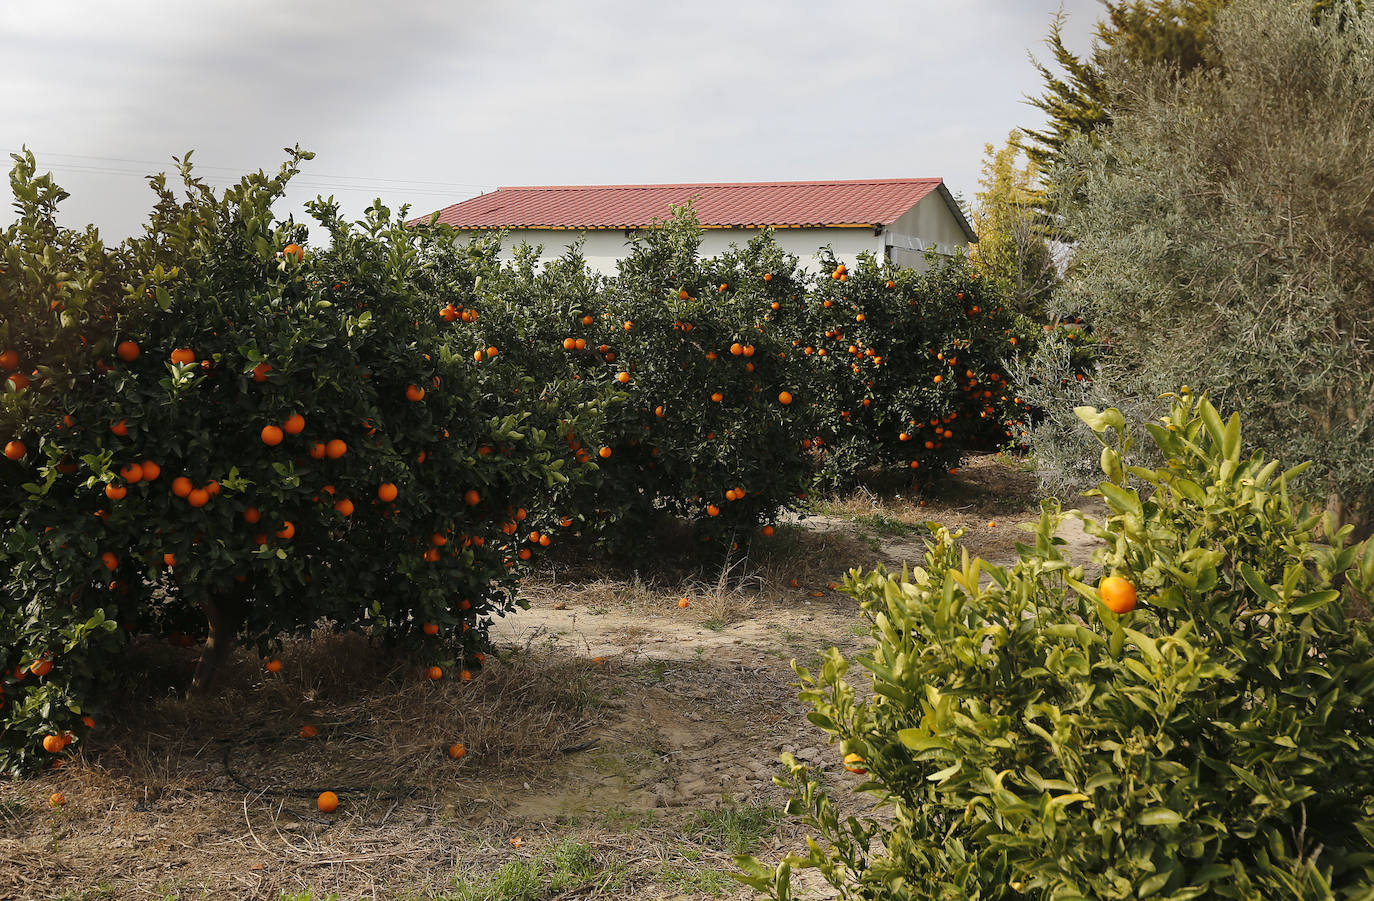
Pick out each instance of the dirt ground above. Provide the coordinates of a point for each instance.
(618, 746)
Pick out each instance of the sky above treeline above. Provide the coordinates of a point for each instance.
(428, 103)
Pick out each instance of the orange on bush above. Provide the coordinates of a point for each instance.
(127, 351)
(1118, 594)
(151, 470)
(132, 473)
(287, 530)
(15, 450)
(252, 514)
(9, 360)
(271, 435)
(335, 448)
(344, 506)
(120, 428)
(414, 393)
(181, 486)
(785, 398)
(386, 492)
(115, 492)
(110, 561)
(430, 629)
(53, 743)
(471, 497)
(198, 497)
(293, 251)
(854, 763)
(41, 667)
(294, 425)
(183, 355)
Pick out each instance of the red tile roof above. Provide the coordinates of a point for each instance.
(860, 202)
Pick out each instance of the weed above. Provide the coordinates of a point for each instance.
(733, 829)
(693, 880)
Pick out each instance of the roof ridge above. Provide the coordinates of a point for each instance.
(725, 184)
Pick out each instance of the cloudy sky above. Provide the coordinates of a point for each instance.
(428, 102)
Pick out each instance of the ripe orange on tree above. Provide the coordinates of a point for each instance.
(335, 448)
(198, 497)
(271, 435)
(294, 425)
(1118, 594)
(386, 492)
(127, 351)
(414, 393)
(183, 355)
(15, 450)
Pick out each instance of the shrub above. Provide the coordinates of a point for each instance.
(316, 439)
(1029, 742)
(1226, 236)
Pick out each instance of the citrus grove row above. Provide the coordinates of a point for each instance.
(221, 430)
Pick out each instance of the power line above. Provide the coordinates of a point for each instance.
(414, 185)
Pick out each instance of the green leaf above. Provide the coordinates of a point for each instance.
(1159, 816)
(1314, 601)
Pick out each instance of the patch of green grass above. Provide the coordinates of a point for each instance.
(625, 819)
(860, 629)
(566, 867)
(693, 880)
(715, 625)
(734, 829)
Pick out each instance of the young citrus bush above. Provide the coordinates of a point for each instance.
(1198, 725)
(232, 434)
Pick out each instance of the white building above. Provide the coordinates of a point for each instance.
(897, 219)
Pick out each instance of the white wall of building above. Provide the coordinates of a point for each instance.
(929, 223)
(603, 248)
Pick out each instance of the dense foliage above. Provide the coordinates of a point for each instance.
(1207, 739)
(1226, 240)
(220, 432)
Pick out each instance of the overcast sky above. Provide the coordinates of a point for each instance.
(429, 102)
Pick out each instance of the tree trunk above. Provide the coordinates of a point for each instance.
(224, 612)
(1345, 515)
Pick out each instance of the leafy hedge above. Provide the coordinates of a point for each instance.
(1211, 742)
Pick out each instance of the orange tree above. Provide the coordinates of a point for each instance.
(915, 364)
(717, 406)
(1194, 726)
(226, 432)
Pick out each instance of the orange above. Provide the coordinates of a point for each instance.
(317, 451)
(52, 743)
(683, 295)
(1117, 594)
(344, 506)
(335, 449)
(183, 355)
(712, 510)
(328, 802)
(457, 751)
(492, 351)
(386, 492)
(785, 398)
(308, 731)
(768, 276)
(115, 492)
(622, 377)
(767, 531)
(40, 668)
(434, 673)
(260, 372)
(854, 763)
(9, 360)
(110, 560)
(271, 435)
(839, 272)
(465, 675)
(294, 425)
(293, 252)
(658, 411)
(198, 497)
(717, 396)
(120, 428)
(169, 559)
(604, 453)
(683, 603)
(89, 721)
(57, 799)
(151, 470)
(287, 530)
(430, 629)
(274, 666)
(629, 324)
(471, 497)
(127, 351)
(132, 473)
(15, 450)
(181, 486)
(588, 319)
(414, 393)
